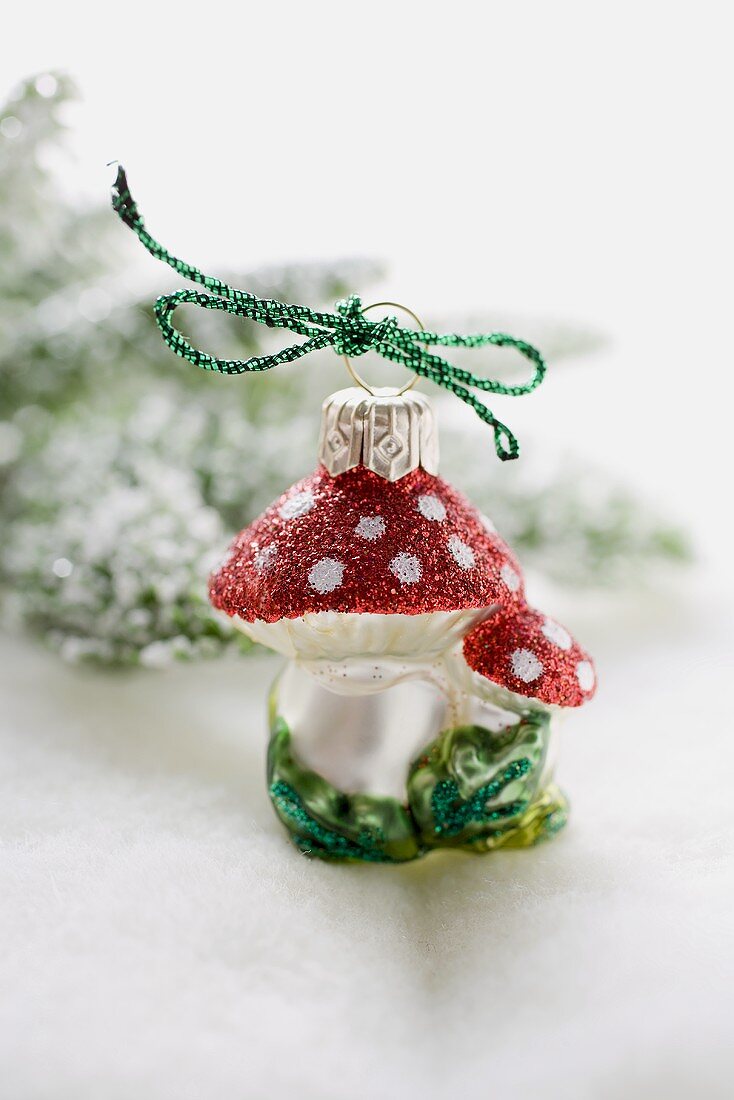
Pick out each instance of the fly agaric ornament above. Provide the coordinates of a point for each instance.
(421, 695)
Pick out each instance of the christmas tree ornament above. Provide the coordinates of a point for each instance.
(421, 695)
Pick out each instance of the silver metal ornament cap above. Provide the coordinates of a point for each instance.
(388, 432)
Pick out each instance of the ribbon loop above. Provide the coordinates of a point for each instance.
(347, 331)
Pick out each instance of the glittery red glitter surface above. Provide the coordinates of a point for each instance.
(523, 650)
(359, 543)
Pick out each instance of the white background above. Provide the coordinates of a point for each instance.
(563, 160)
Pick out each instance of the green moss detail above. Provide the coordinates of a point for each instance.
(479, 789)
(541, 821)
(329, 824)
(472, 788)
(452, 813)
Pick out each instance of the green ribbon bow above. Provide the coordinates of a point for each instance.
(347, 331)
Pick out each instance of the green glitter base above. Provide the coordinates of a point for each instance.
(471, 789)
(474, 788)
(330, 824)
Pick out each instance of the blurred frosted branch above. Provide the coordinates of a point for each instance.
(116, 523)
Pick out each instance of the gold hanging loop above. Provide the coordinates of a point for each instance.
(358, 377)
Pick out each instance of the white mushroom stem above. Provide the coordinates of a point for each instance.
(359, 723)
(366, 741)
(356, 676)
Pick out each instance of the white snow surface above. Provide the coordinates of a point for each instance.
(160, 937)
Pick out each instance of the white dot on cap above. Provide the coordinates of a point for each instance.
(585, 675)
(297, 505)
(487, 524)
(510, 577)
(326, 575)
(557, 634)
(370, 528)
(431, 507)
(265, 558)
(525, 665)
(462, 554)
(406, 568)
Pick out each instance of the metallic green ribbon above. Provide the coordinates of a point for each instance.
(347, 331)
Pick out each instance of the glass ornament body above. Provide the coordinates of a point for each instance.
(369, 577)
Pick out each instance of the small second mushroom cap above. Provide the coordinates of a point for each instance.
(529, 654)
(359, 543)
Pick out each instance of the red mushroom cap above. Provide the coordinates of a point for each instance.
(524, 651)
(359, 543)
